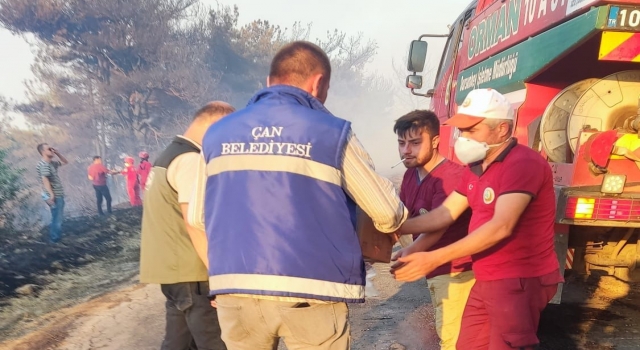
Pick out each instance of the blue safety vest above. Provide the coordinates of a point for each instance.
(277, 219)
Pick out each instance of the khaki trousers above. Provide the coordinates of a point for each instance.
(257, 324)
(449, 294)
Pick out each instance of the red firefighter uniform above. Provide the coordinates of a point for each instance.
(133, 184)
(143, 170)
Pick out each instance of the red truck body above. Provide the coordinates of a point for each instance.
(571, 69)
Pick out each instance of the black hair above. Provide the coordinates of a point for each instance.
(41, 147)
(418, 121)
(297, 61)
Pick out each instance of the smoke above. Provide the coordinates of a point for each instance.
(373, 112)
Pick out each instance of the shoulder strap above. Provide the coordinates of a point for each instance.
(177, 147)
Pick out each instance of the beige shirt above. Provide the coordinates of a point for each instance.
(182, 173)
(375, 194)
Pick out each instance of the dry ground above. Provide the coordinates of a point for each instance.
(84, 295)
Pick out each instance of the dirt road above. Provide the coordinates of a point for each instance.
(84, 295)
(132, 318)
(601, 314)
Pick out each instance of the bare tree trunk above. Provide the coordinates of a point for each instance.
(99, 123)
(96, 124)
(103, 137)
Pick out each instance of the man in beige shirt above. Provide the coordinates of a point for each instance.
(172, 252)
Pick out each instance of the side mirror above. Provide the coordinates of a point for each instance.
(414, 82)
(417, 56)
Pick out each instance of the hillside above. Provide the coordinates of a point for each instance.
(37, 277)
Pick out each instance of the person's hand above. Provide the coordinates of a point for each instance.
(395, 237)
(414, 266)
(214, 303)
(51, 201)
(55, 151)
(402, 253)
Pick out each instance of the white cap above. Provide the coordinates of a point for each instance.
(479, 105)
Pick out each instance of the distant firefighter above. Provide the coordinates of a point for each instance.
(133, 183)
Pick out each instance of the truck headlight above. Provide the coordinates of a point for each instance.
(613, 183)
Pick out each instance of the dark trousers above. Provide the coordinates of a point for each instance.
(102, 191)
(192, 323)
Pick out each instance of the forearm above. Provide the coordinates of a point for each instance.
(373, 193)
(433, 221)
(195, 212)
(483, 238)
(199, 241)
(63, 160)
(426, 241)
(195, 217)
(198, 237)
(47, 186)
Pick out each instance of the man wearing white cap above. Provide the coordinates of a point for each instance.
(509, 188)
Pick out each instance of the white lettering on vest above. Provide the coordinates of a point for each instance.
(266, 132)
(271, 147)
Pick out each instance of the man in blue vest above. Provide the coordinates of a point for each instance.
(284, 177)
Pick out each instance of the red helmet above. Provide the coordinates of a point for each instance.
(143, 155)
(128, 160)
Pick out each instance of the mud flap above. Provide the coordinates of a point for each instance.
(561, 243)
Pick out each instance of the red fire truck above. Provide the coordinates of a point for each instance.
(571, 69)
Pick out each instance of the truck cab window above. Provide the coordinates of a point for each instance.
(447, 56)
(454, 43)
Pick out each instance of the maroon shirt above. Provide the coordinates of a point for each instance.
(99, 174)
(529, 251)
(429, 194)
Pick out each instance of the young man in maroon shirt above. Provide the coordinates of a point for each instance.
(429, 179)
(97, 173)
(509, 187)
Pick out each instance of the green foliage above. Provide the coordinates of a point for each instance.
(130, 73)
(114, 77)
(10, 187)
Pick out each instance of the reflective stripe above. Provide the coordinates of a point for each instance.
(286, 284)
(301, 166)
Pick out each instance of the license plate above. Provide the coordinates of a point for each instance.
(624, 17)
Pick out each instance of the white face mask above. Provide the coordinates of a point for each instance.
(471, 151)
